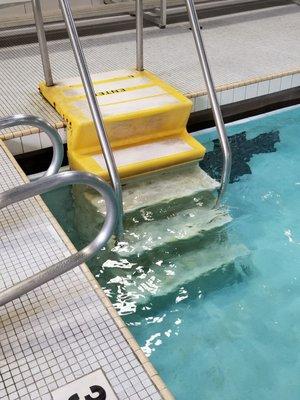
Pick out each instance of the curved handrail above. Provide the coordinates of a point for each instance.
(227, 158)
(94, 108)
(31, 120)
(46, 184)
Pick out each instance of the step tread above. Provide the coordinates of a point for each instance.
(145, 121)
(141, 158)
(153, 191)
(165, 277)
(167, 186)
(185, 225)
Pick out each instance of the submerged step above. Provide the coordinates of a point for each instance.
(157, 196)
(183, 226)
(141, 284)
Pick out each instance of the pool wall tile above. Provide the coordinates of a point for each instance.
(201, 103)
(296, 80)
(251, 90)
(15, 146)
(263, 88)
(45, 141)
(239, 93)
(193, 99)
(286, 82)
(227, 97)
(275, 85)
(31, 142)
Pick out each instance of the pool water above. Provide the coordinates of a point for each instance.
(234, 334)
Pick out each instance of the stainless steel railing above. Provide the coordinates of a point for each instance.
(92, 100)
(58, 149)
(46, 184)
(139, 15)
(227, 158)
(89, 91)
(190, 5)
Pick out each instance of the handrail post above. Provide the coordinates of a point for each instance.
(139, 15)
(38, 17)
(163, 14)
(94, 107)
(227, 158)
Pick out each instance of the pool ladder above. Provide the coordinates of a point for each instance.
(91, 96)
(53, 180)
(50, 181)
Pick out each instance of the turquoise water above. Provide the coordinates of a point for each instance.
(236, 334)
(243, 341)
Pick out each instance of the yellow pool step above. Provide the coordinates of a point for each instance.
(145, 120)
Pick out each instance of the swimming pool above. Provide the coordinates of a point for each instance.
(233, 333)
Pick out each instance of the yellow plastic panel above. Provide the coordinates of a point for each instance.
(137, 108)
(135, 164)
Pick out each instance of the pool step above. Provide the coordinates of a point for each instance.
(145, 121)
(173, 235)
(154, 197)
(155, 217)
(164, 276)
(183, 226)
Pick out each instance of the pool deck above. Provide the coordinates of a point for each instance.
(65, 329)
(251, 54)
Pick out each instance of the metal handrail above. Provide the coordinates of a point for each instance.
(31, 120)
(38, 16)
(139, 15)
(46, 184)
(190, 5)
(89, 91)
(227, 158)
(92, 99)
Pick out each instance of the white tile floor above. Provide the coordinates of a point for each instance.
(62, 330)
